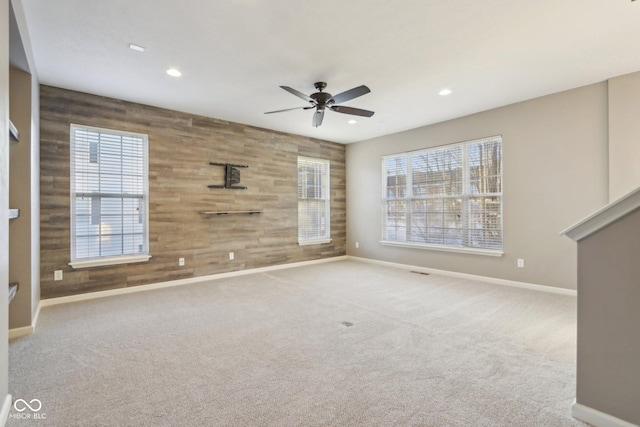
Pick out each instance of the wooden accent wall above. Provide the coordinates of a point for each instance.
(180, 148)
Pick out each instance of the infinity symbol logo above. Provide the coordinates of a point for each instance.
(37, 405)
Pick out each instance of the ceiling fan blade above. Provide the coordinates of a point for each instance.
(288, 109)
(351, 110)
(317, 118)
(298, 94)
(350, 94)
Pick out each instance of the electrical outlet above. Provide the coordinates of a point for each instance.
(231, 256)
(520, 263)
(57, 275)
(181, 262)
(357, 245)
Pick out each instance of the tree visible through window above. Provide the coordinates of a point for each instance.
(448, 196)
(108, 193)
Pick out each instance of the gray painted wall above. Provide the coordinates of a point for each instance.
(555, 173)
(608, 368)
(624, 128)
(24, 94)
(20, 177)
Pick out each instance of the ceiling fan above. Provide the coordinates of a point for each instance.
(324, 100)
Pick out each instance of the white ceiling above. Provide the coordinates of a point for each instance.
(235, 53)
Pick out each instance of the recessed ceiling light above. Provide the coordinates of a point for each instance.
(352, 122)
(445, 92)
(136, 47)
(173, 72)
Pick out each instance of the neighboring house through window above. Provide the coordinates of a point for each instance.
(313, 201)
(447, 197)
(109, 197)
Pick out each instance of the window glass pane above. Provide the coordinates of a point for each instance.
(87, 247)
(111, 245)
(395, 224)
(133, 243)
(485, 167)
(312, 221)
(313, 199)
(485, 222)
(438, 172)
(449, 195)
(396, 173)
(109, 180)
(437, 221)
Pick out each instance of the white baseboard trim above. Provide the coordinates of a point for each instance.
(20, 332)
(26, 330)
(503, 282)
(180, 282)
(597, 418)
(6, 409)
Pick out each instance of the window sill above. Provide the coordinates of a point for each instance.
(456, 249)
(101, 262)
(313, 242)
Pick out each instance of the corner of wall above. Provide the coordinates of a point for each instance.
(6, 409)
(624, 152)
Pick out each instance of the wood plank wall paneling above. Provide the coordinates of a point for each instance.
(180, 147)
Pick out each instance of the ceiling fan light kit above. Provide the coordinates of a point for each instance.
(322, 101)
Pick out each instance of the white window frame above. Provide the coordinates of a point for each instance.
(324, 237)
(126, 258)
(464, 196)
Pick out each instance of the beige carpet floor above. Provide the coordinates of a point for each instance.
(337, 344)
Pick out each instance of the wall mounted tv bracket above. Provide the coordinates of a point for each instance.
(231, 176)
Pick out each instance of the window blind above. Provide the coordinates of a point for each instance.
(108, 193)
(313, 200)
(445, 196)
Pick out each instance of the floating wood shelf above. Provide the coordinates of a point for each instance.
(231, 212)
(13, 131)
(14, 213)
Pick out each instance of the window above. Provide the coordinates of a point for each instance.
(109, 197)
(447, 198)
(313, 201)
